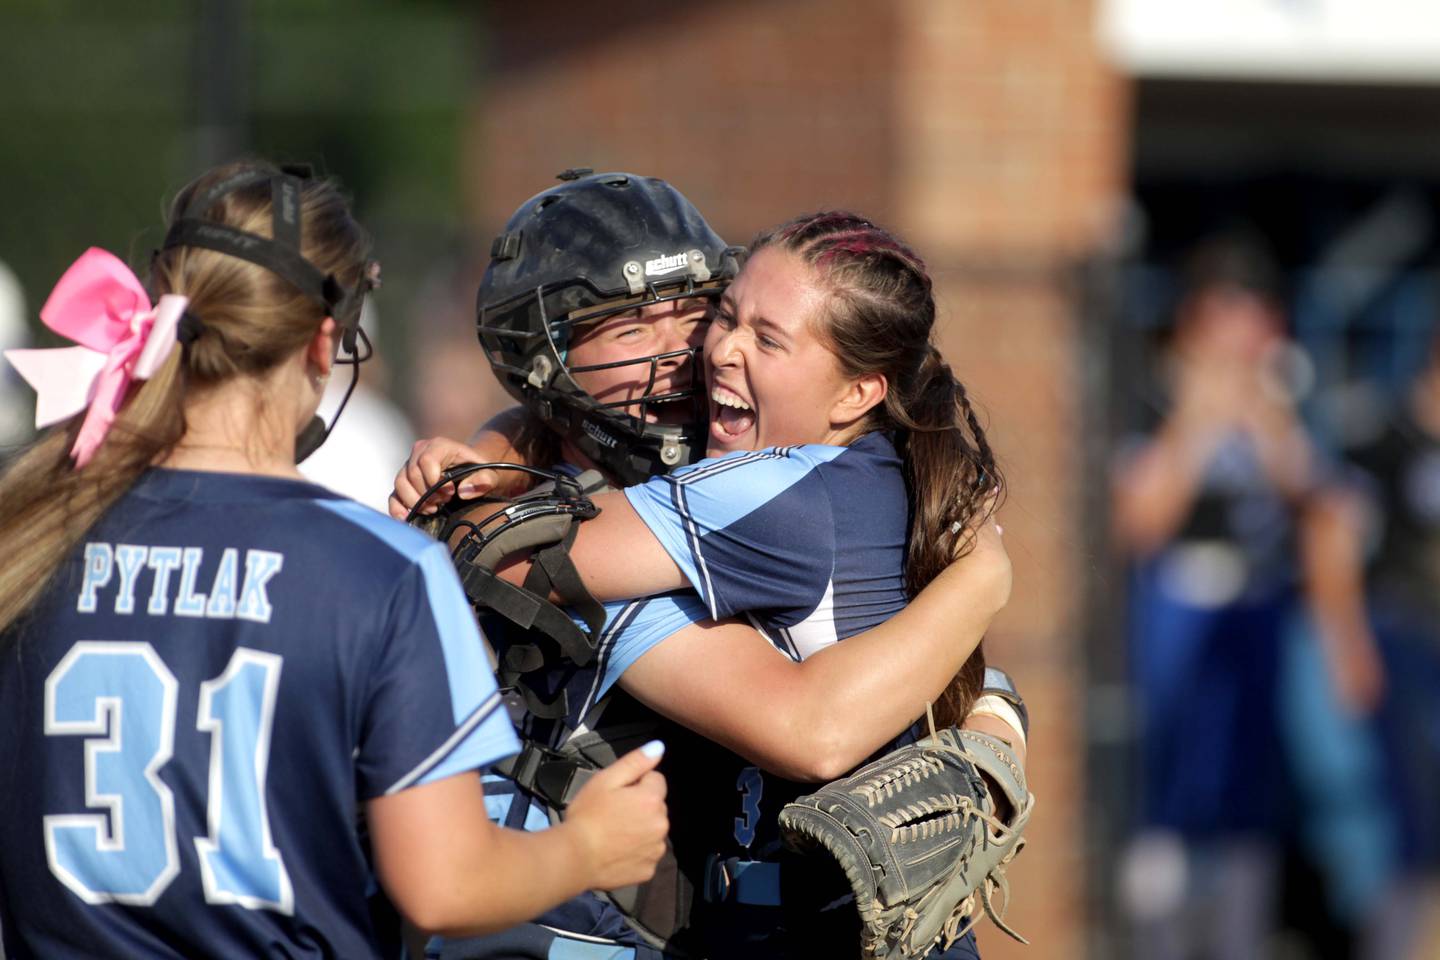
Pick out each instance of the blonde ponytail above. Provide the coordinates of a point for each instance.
(249, 320)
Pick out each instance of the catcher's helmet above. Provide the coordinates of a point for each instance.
(596, 245)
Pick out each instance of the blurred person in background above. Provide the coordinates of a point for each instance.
(1207, 507)
(1378, 585)
(16, 409)
(440, 327)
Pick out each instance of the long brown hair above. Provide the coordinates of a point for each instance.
(879, 318)
(250, 320)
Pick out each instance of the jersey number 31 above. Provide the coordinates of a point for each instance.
(121, 697)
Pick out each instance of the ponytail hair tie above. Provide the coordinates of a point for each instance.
(190, 328)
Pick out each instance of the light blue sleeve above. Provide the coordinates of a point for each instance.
(638, 625)
(483, 732)
(432, 707)
(734, 524)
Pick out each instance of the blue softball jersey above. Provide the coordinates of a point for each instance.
(215, 680)
(808, 542)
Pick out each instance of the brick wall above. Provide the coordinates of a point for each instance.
(987, 132)
(1013, 155)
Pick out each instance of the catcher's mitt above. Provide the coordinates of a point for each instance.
(918, 839)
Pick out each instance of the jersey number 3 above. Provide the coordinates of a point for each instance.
(751, 785)
(121, 697)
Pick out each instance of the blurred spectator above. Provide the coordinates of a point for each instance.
(17, 408)
(452, 388)
(1207, 506)
(1381, 579)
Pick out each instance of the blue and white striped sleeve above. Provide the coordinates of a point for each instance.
(750, 530)
(434, 709)
(639, 625)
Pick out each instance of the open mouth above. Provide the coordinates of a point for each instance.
(730, 416)
(677, 411)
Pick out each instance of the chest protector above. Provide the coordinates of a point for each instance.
(543, 660)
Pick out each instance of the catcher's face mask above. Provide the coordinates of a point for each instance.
(282, 256)
(596, 247)
(642, 359)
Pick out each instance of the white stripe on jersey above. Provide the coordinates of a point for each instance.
(683, 509)
(581, 937)
(603, 648)
(692, 533)
(699, 473)
(783, 645)
(817, 630)
(477, 717)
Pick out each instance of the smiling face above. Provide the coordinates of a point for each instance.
(773, 381)
(637, 335)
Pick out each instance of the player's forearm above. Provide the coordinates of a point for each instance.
(449, 869)
(523, 875)
(993, 725)
(851, 697)
(501, 433)
(499, 441)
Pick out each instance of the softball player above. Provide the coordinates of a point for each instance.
(810, 542)
(713, 701)
(212, 668)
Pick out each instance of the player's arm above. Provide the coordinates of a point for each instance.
(452, 871)
(497, 441)
(1332, 558)
(618, 532)
(817, 718)
(996, 726)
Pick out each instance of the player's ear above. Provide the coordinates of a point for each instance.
(320, 351)
(858, 397)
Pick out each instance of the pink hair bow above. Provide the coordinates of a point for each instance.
(101, 305)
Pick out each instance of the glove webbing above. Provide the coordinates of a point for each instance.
(999, 832)
(995, 879)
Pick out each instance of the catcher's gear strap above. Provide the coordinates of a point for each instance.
(555, 775)
(552, 571)
(529, 607)
(657, 909)
(528, 611)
